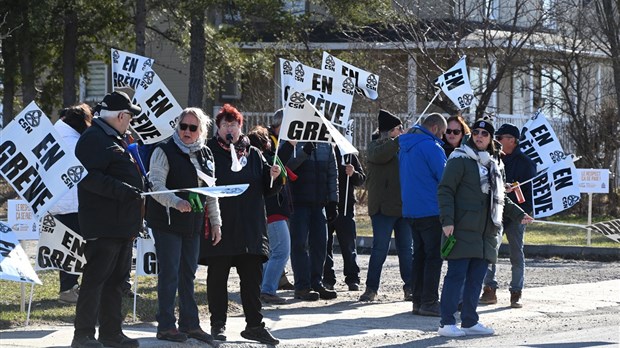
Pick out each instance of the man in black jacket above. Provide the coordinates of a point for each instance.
(519, 168)
(110, 215)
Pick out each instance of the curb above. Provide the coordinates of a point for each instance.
(364, 245)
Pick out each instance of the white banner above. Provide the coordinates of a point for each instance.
(593, 180)
(22, 220)
(555, 189)
(60, 247)
(146, 260)
(366, 82)
(35, 161)
(215, 191)
(610, 229)
(540, 143)
(14, 263)
(329, 93)
(455, 84)
(303, 122)
(160, 109)
(128, 68)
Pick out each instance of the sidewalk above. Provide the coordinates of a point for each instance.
(575, 315)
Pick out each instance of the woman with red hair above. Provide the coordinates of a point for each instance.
(244, 243)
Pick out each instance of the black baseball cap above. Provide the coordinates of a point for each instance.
(118, 101)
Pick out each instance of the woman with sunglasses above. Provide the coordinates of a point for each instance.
(455, 133)
(245, 244)
(472, 203)
(177, 222)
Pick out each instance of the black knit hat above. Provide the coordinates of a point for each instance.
(508, 129)
(484, 124)
(387, 121)
(119, 101)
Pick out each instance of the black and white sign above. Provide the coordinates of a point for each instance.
(14, 263)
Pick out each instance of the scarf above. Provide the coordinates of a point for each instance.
(491, 180)
(188, 148)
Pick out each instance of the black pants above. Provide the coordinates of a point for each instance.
(250, 271)
(344, 226)
(426, 270)
(68, 280)
(107, 262)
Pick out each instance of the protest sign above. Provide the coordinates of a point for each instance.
(60, 247)
(160, 109)
(455, 84)
(128, 68)
(366, 82)
(540, 143)
(35, 161)
(555, 189)
(146, 258)
(610, 229)
(593, 180)
(331, 94)
(303, 122)
(14, 263)
(215, 191)
(22, 220)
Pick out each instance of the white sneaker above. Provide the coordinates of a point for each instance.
(450, 331)
(70, 296)
(478, 329)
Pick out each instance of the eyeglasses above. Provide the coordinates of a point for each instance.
(500, 137)
(192, 127)
(481, 132)
(455, 131)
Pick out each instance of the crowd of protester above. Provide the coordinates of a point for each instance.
(440, 187)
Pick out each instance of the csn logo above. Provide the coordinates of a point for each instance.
(72, 176)
(297, 100)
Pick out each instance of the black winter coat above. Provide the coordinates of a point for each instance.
(244, 222)
(109, 201)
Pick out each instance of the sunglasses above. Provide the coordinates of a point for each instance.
(453, 131)
(501, 137)
(192, 127)
(480, 132)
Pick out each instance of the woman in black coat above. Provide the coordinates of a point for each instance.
(244, 243)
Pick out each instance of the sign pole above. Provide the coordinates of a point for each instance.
(589, 238)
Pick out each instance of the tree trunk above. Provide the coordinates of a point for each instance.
(27, 57)
(140, 27)
(197, 60)
(9, 56)
(69, 52)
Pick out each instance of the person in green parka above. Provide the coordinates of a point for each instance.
(472, 203)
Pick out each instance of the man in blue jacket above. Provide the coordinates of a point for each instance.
(422, 160)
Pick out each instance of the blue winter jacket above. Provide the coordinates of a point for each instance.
(422, 160)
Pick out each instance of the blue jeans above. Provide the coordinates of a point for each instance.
(178, 260)
(344, 226)
(382, 226)
(308, 245)
(514, 233)
(466, 274)
(280, 249)
(426, 269)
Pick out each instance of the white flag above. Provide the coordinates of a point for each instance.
(330, 93)
(128, 69)
(60, 247)
(540, 143)
(366, 82)
(160, 109)
(35, 160)
(610, 229)
(303, 122)
(556, 189)
(146, 257)
(455, 84)
(14, 263)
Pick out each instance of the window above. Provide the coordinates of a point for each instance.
(231, 87)
(94, 86)
(549, 13)
(491, 9)
(295, 7)
(551, 92)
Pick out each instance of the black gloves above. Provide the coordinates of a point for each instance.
(133, 192)
(331, 211)
(308, 148)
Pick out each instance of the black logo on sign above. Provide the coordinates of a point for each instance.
(330, 64)
(75, 173)
(4, 228)
(569, 201)
(287, 69)
(297, 98)
(348, 85)
(147, 79)
(115, 56)
(465, 100)
(48, 221)
(33, 117)
(147, 64)
(371, 82)
(299, 73)
(557, 156)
